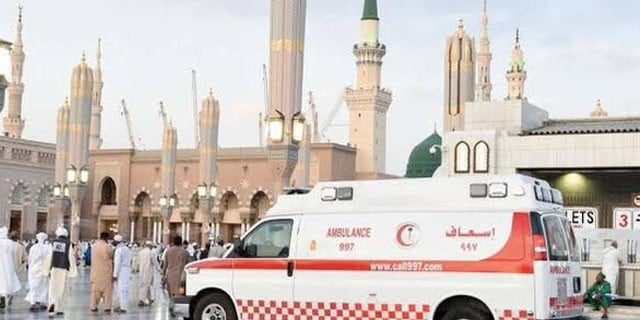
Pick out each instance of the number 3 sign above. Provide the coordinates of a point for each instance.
(626, 219)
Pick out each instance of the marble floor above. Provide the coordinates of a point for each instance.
(77, 306)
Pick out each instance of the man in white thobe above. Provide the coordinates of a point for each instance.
(156, 282)
(122, 274)
(38, 283)
(9, 282)
(59, 265)
(148, 265)
(611, 265)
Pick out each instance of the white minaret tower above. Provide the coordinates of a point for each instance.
(483, 85)
(95, 141)
(368, 102)
(516, 75)
(459, 77)
(13, 122)
(168, 160)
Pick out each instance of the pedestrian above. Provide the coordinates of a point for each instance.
(101, 273)
(38, 283)
(135, 263)
(148, 265)
(175, 259)
(87, 255)
(598, 295)
(19, 253)
(156, 282)
(59, 265)
(218, 250)
(205, 251)
(611, 265)
(9, 282)
(122, 273)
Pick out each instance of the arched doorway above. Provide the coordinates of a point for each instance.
(259, 206)
(16, 203)
(144, 217)
(230, 213)
(42, 202)
(108, 208)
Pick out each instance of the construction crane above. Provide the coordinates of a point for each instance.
(196, 127)
(265, 112)
(332, 114)
(314, 115)
(163, 114)
(127, 117)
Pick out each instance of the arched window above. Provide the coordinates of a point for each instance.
(461, 158)
(108, 194)
(18, 193)
(481, 157)
(43, 197)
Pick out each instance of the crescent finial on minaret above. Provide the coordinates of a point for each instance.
(99, 52)
(20, 8)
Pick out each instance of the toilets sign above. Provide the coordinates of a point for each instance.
(582, 217)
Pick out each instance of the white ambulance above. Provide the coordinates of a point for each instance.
(477, 248)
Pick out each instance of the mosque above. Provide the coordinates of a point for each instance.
(127, 186)
(594, 160)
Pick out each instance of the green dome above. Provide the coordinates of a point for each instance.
(423, 164)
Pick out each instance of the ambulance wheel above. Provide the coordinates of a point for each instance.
(214, 306)
(459, 312)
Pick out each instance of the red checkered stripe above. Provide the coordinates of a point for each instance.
(282, 310)
(515, 315)
(573, 304)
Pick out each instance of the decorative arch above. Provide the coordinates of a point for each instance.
(461, 158)
(142, 204)
(481, 157)
(108, 192)
(259, 205)
(44, 194)
(18, 193)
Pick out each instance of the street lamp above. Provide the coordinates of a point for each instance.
(75, 189)
(297, 122)
(71, 174)
(84, 175)
(57, 190)
(276, 126)
(207, 195)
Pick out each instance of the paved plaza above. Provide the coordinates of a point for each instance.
(77, 306)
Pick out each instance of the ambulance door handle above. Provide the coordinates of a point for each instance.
(290, 269)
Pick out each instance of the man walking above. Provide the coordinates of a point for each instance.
(122, 273)
(38, 283)
(148, 265)
(101, 273)
(9, 282)
(611, 265)
(59, 265)
(175, 260)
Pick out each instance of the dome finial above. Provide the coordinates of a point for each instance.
(84, 56)
(460, 23)
(211, 91)
(517, 35)
(20, 8)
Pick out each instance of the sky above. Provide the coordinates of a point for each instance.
(576, 51)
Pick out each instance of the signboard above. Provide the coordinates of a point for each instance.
(582, 217)
(636, 200)
(626, 218)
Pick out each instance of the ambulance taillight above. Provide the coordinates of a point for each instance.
(539, 240)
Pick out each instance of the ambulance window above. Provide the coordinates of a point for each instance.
(555, 239)
(571, 239)
(269, 240)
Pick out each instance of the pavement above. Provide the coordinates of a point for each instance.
(615, 313)
(77, 304)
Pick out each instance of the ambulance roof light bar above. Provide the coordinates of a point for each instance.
(340, 193)
(492, 190)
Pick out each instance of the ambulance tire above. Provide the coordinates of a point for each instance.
(211, 301)
(466, 312)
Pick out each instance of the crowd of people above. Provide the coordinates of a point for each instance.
(49, 262)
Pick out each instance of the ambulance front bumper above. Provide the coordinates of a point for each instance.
(180, 306)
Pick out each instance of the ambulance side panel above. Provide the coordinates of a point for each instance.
(388, 264)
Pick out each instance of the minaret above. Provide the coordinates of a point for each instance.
(516, 75)
(62, 141)
(368, 102)
(96, 102)
(286, 62)
(80, 114)
(483, 86)
(168, 171)
(13, 122)
(459, 77)
(209, 120)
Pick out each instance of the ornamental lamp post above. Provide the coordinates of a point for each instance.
(75, 189)
(275, 122)
(166, 209)
(207, 196)
(297, 123)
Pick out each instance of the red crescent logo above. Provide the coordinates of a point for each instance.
(408, 234)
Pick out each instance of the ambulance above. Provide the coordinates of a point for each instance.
(476, 247)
